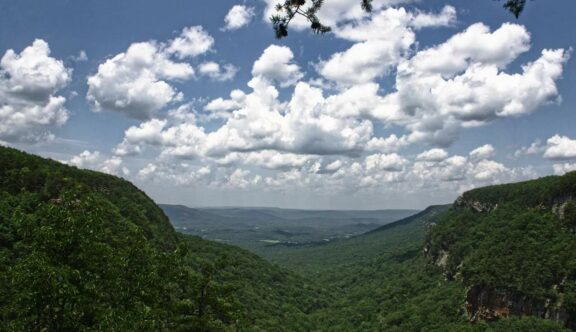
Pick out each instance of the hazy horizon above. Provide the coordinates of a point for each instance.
(198, 103)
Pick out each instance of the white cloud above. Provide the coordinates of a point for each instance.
(81, 57)
(322, 137)
(561, 169)
(85, 159)
(483, 152)
(446, 17)
(217, 72)
(114, 166)
(333, 12)
(29, 81)
(488, 169)
(560, 148)
(96, 161)
(433, 155)
(192, 42)
(237, 99)
(388, 144)
(385, 162)
(135, 83)
(334, 166)
(461, 84)
(475, 45)
(307, 124)
(383, 40)
(275, 160)
(139, 81)
(534, 148)
(238, 16)
(276, 65)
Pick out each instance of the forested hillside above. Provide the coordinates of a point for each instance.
(480, 265)
(514, 249)
(80, 250)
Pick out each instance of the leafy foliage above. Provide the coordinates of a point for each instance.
(515, 6)
(80, 250)
(290, 8)
(382, 282)
(525, 245)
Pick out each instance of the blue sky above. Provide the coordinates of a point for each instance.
(198, 104)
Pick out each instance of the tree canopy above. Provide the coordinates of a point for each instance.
(309, 10)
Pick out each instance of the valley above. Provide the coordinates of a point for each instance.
(262, 229)
(82, 250)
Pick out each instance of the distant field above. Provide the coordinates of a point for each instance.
(260, 229)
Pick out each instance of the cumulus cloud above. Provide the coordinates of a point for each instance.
(488, 169)
(237, 99)
(217, 72)
(275, 65)
(560, 148)
(461, 83)
(275, 160)
(382, 41)
(192, 42)
(483, 152)
(29, 82)
(475, 45)
(534, 148)
(433, 155)
(387, 162)
(561, 169)
(238, 16)
(80, 57)
(85, 159)
(136, 83)
(96, 161)
(333, 13)
(308, 124)
(322, 136)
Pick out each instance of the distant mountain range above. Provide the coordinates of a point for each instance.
(258, 228)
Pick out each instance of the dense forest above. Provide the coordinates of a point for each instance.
(81, 250)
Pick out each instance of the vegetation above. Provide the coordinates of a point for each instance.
(309, 10)
(524, 244)
(383, 282)
(80, 250)
(259, 229)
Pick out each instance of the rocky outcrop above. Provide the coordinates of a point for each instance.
(475, 205)
(484, 303)
(560, 204)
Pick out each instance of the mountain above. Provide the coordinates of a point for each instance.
(81, 250)
(501, 258)
(257, 229)
(513, 247)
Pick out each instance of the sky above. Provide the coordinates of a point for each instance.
(197, 103)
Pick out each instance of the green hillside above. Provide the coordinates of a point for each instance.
(80, 250)
(472, 267)
(514, 248)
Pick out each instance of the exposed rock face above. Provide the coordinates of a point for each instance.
(477, 206)
(484, 303)
(489, 303)
(560, 204)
